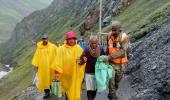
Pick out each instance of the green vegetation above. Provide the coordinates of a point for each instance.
(138, 19)
(22, 76)
(19, 79)
(1, 65)
(12, 11)
(144, 16)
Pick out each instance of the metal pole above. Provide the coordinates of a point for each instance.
(100, 21)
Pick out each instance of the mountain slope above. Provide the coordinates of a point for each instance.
(12, 11)
(147, 27)
(148, 71)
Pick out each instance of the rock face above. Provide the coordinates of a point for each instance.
(109, 8)
(148, 72)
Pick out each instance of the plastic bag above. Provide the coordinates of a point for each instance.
(35, 81)
(56, 88)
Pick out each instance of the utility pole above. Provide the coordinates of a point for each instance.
(100, 23)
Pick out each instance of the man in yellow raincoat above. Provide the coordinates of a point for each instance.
(42, 60)
(67, 64)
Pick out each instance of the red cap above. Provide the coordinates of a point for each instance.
(70, 35)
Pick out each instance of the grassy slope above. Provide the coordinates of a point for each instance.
(138, 19)
(11, 13)
(143, 16)
(21, 77)
(1, 65)
(7, 19)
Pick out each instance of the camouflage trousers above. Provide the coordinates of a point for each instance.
(114, 82)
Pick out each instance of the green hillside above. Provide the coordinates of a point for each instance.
(12, 11)
(138, 19)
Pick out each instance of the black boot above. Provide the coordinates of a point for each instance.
(66, 97)
(91, 95)
(111, 97)
(47, 94)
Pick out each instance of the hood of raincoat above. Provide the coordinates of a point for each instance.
(41, 46)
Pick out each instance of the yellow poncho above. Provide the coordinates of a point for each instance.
(43, 59)
(72, 73)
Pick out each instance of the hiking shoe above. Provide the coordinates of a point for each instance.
(47, 95)
(111, 98)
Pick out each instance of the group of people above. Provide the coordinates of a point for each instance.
(69, 63)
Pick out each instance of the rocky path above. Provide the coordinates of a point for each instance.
(100, 96)
(31, 94)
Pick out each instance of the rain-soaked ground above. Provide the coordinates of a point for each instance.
(31, 94)
(99, 96)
